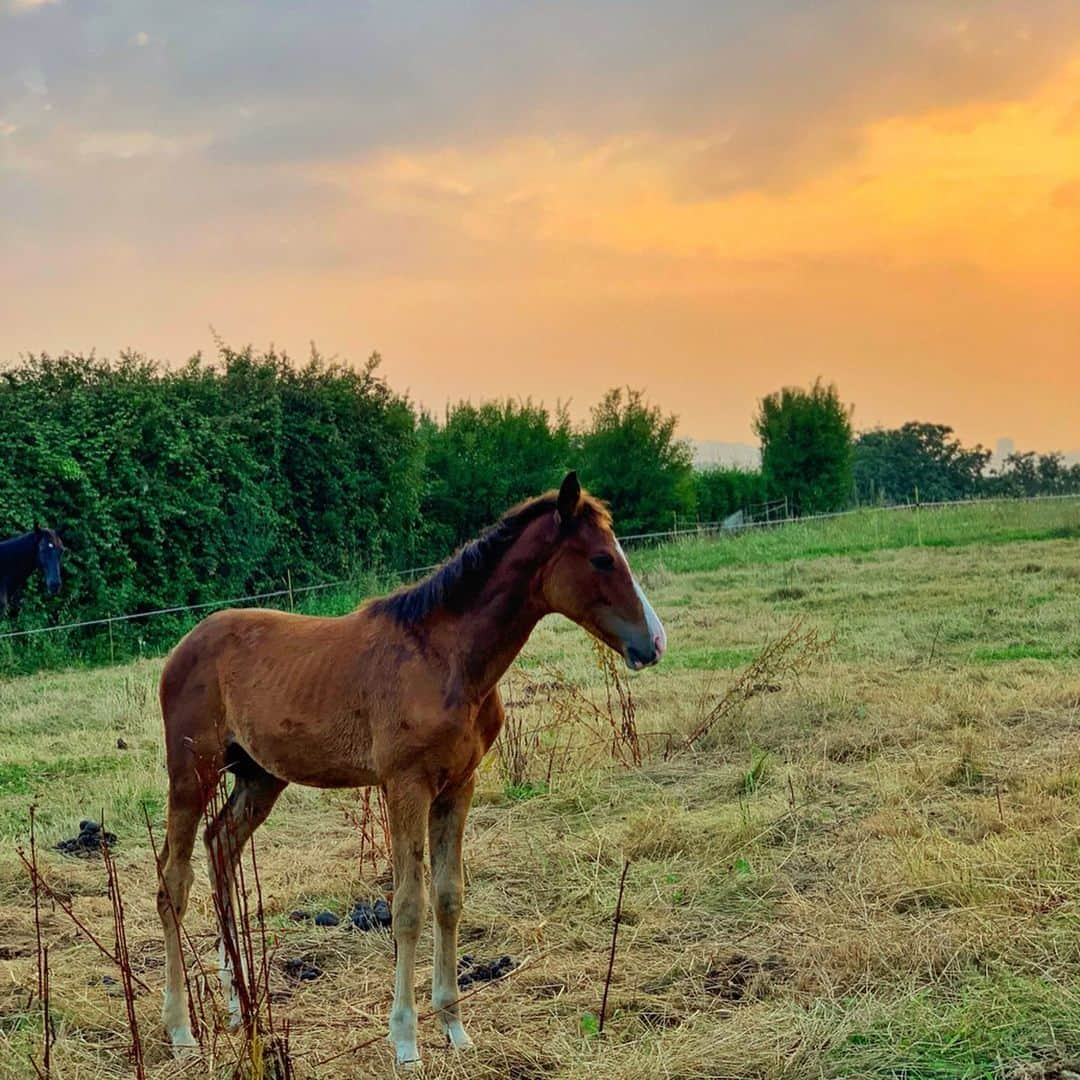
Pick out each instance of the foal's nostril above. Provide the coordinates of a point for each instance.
(659, 644)
(641, 658)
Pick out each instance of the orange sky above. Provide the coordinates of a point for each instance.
(893, 205)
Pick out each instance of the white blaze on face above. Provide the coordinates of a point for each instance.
(652, 620)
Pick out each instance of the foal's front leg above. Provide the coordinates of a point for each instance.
(446, 829)
(407, 804)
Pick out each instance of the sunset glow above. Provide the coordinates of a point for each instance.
(707, 210)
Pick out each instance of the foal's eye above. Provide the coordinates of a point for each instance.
(603, 562)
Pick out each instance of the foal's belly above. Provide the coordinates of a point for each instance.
(329, 716)
(304, 740)
(303, 754)
(328, 775)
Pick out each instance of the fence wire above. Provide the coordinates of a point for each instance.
(699, 529)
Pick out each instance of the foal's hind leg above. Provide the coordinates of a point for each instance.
(187, 800)
(253, 796)
(408, 802)
(446, 829)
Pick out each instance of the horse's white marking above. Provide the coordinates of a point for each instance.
(652, 621)
(174, 1017)
(445, 989)
(403, 1037)
(457, 1035)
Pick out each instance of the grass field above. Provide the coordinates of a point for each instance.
(870, 869)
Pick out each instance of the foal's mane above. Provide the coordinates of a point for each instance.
(458, 580)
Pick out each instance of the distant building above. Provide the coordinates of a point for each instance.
(739, 455)
(1005, 447)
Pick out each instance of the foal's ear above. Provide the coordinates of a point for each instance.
(569, 497)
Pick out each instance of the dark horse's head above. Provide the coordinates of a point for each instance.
(49, 550)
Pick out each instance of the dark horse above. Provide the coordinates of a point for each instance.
(402, 693)
(39, 549)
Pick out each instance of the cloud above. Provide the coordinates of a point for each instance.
(19, 6)
(775, 91)
(741, 188)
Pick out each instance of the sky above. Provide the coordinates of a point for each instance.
(706, 200)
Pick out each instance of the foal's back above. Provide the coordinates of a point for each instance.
(318, 701)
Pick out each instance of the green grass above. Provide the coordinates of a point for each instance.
(710, 659)
(19, 779)
(1011, 653)
(886, 843)
(877, 530)
(972, 1031)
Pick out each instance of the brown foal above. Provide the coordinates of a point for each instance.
(401, 693)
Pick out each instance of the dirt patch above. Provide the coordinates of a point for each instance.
(788, 592)
(740, 978)
(1057, 1069)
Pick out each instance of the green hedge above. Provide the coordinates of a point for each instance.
(183, 487)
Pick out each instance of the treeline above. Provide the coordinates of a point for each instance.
(252, 474)
(927, 462)
(181, 487)
(812, 459)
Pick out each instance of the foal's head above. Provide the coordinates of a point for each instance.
(49, 550)
(588, 580)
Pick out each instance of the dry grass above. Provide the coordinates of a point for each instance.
(870, 869)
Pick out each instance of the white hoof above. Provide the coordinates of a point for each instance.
(459, 1040)
(406, 1053)
(183, 1042)
(232, 1003)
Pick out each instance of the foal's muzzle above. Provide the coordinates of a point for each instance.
(644, 653)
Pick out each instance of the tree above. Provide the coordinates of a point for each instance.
(892, 465)
(1027, 474)
(806, 448)
(721, 490)
(630, 456)
(210, 481)
(483, 460)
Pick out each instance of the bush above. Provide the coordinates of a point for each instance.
(213, 481)
(1028, 474)
(484, 459)
(806, 448)
(721, 491)
(629, 455)
(892, 466)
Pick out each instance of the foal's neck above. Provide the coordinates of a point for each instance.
(488, 635)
